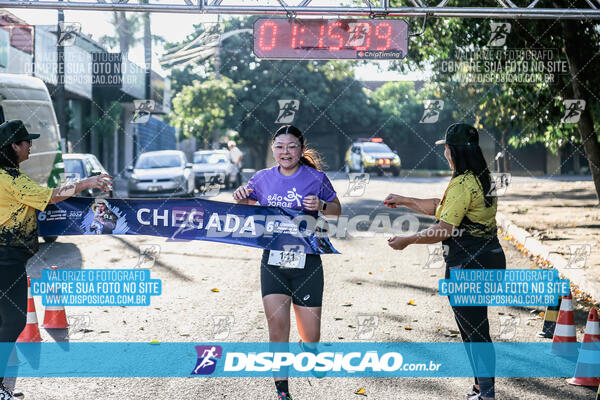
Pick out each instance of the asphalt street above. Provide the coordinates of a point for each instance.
(366, 279)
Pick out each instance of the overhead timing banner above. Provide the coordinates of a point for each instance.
(271, 228)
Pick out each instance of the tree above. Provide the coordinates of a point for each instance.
(526, 113)
(203, 107)
(328, 93)
(126, 29)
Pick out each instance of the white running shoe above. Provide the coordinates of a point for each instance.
(6, 394)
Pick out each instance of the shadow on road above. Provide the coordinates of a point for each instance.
(63, 255)
(159, 263)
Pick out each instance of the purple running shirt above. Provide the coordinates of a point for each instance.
(271, 188)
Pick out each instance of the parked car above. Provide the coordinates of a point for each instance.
(82, 166)
(161, 173)
(215, 166)
(372, 155)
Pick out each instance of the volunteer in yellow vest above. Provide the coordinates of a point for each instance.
(20, 196)
(466, 226)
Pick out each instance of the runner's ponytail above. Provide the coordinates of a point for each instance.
(313, 159)
(310, 158)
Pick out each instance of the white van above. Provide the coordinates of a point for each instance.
(26, 98)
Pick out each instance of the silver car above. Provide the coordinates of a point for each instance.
(161, 173)
(215, 167)
(81, 166)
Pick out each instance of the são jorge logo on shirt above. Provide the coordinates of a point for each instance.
(291, 199)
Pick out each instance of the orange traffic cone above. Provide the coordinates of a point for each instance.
(31, 333)
(565, 329)
(587, 372)
(55, 317)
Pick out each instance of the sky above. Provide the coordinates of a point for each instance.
(97, 24)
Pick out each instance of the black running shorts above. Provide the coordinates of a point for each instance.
(303, 285)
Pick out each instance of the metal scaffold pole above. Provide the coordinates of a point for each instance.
(505, 9)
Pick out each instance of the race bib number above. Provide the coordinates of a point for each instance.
(287, 259)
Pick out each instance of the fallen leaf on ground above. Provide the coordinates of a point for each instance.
(408, 328)
(347, 305)
(411, 303)
(214, 290)
(361, 392)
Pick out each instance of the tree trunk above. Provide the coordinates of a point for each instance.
(124, 32)
(589, 137)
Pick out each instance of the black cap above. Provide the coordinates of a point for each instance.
(14, 131)
(460, 135)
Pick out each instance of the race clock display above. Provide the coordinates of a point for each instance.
(378, 39)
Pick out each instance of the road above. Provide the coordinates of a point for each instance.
(368, 278)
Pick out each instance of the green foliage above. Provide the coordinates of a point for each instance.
(530, 112)
(107, 123)
(202, 108)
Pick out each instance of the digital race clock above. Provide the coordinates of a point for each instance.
(378, 39)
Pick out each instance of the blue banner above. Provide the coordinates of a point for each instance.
(272, 228)
(238, 359)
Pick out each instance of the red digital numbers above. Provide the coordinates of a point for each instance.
(387, 36)
(335, 38)
(261, 39)
(322, 36)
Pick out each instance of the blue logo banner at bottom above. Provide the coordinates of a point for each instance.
(272, 228)
(238, 359)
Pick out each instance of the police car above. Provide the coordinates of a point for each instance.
(372, 155)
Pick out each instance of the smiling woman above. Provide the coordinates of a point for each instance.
(296, 182)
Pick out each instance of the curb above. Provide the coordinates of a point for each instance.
(558, 262)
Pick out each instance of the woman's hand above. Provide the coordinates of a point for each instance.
(312, 203)
(102, 182)
(399, 242)
(393, 200)
(241, 193)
